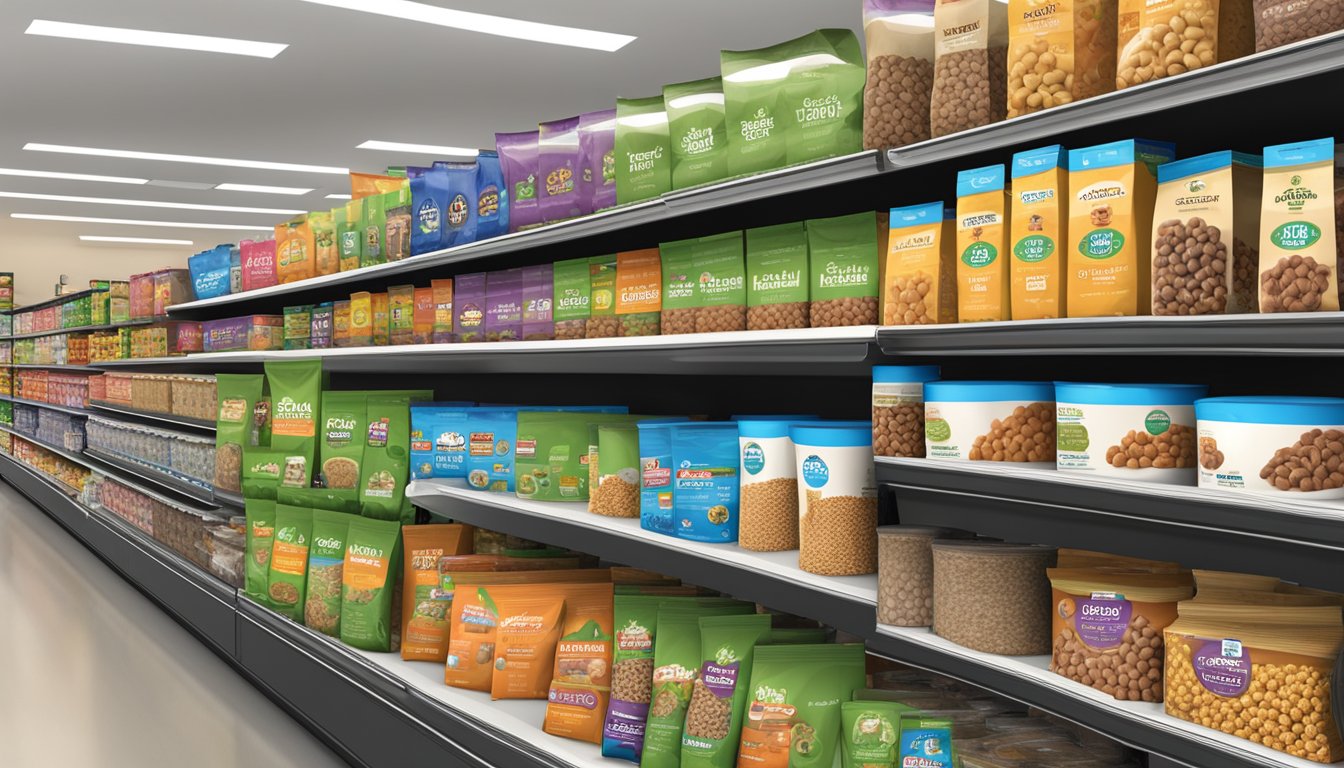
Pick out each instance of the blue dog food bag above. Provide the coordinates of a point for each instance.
(210, 272)
(705, 481)
(492, 197)
(459, 217)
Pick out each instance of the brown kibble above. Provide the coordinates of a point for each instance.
(604, 327)
(853, 310)
(1295, 284)
(904, 578)
(1173, 449)
(632, 680)
(767, 515)
(899, 430)
(1305, 465)
(568, 330)
(968, 90)
(613, 497)
(1190, 275)
(708, 716)
(1028, 435)
(1131, 664)
(769, 317)
(722, 317)
(896, 101)
(839, 535)
(678, 321)
(993, 598)
(1210, 457)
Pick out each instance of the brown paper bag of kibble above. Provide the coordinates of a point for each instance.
(1161, 38)
(1059, 51)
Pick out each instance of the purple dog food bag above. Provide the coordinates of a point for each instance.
(558, 161)
(504, 305)
(538, 289)
(469, 307)
(518, 158)
(597, 147)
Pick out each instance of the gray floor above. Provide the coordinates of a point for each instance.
(92, 674)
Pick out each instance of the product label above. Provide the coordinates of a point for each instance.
(815, 472)
(753, 458)
(893, 395)
(1223, 667)
(1102, 621)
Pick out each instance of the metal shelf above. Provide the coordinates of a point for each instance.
(1028, 679)
(175, 482)
(1297, 540)
(1316, 334)
(54, 366)
(62, 299)
(165, 418)
(771, 578)
(49, 406)
(87, 328)
(77, 458)
(809, 351)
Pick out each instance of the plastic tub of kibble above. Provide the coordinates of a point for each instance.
(1272, 445)
(898, 408)
(905, 573)
(1135, 431)
(993, 597)
(768, 507)
(990, 421)
(837, 497)
(616, 492)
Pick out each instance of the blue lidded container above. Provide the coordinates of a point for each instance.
(988, 391)
(837, 498)
(1086, 393)
(1298, 411)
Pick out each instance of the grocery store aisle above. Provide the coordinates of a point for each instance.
(96, 675)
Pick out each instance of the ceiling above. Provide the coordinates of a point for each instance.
(345, 78)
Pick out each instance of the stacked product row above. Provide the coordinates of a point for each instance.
(1159, 433)
(1247, 655)
(189, 456)
(60, 469)
(54, 428)
(191, 397)
(66, 389)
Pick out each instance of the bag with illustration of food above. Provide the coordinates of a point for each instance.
(372, 557)
(1297, 229)
(460, 215)
(260, 537)
(714, 715)
(526, 636)
(579, 692)
(920, 271)
(643, 157)
(1162, 38)
(1059, 53)
(899, 37)
(326, 258)
(983, 284)
(296, 391)
(386, 456)
(288, 575)
(558, 160)
(341, 451)
(326, 561)
(235, 427)
(373, 231)
(349, 220)
(397, 240)
(518, 158)
(492, 199)
(294, 251)
(424, 606)
(843, 259)
(793, 703)
(429, 203)
(597, 145)
(636, 622)
(870, 732)
(698, 132)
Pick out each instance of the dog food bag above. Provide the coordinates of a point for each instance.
(655, 463)
(602, 320)
(720, 283)
(1280, 23)
(900, 46)
(756, 120)
(1170, 37)
(926, 742)
(210, 272)
(843, 260)
(492, 198)
(289, 560)
(401, 314)
(373, 231)
(397, 206)
(616, 493)
(643, 155)
(326, 258)
(326, 562)
(558, 161)
(372, 557)
(1112, 191)
(361, 319)
(258, 264)
(364, 185)
(538, 303)
(296, 391)
(422, 315)
(713, 725)
(238, 395)
(424, 606)
(526, 635)
(460, 216)
(571, 292)
(469, 305)
(1197, 268)
(341, 449)
(793, 702)
(1039, 233)
(969, 77)
(429, 205)
(349, 220)
(676, 664)
(870, 732)
(504, 305)
(636, 624)
(381, 324)
(705, 488)
(442, 294)
(580, 691)
(1297, 229)
(258, 542)
(597, 145)
(386, 456)
(982, 245)
(518, 158)
(679, 300)
(698, 132)
(1059, 53)
(837, 497)
(551, 454)
(778, 277)
(639, 291)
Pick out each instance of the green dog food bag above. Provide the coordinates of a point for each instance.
(373, 231)
(843, 257)
(552, 455)
(870, 733)
(680, 300)
(636, 622)
(288, 577)
(262, 471)
(571, 292)
(798, 689)
(676, 663)
(341, 449)
(643, 157)
(296, 392)
(260, 515)
(326, 561)
(778, 278)
(797, 636)
(714, 716)
(234, 425)
(386, 456)
(697, 132)
(372, 560)
(824, 96)
(721, 283)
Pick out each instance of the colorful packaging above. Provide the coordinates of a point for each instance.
(578, 696)
(843, 258)
(926, 742)
(643, 157)
(429, 201)
(361, 319)
(258, 265)
(260, 538)
(602, 320)
(518, 158)
(680, 302)
(425, 608)
(296, 389)
(538, 286)
(655, 462)
(210, 272)
(492, 197)
(386, 464)
(705, 482)
(295, 252)
(1298, 259)
(373, 231)
(636, 624)
(720, 283)
(778, 277)
(321, 328)
(288, 578)
(697, 132)
(326, 256)
(444, 318)
(638, 291)
(372, 555)
(983, 284)
(793, 704)
(326, 561)
(397, 241)
(298, 326)
(401, 314)
(597, 145)
(571, 291)
(558, 161)
(870, 733)
(1081, 38)
(504, 305)
(718, 695)
(469, 306)
(460, 214)
(920, 275)
(1039, 233)
(349, 221)
(381, 324)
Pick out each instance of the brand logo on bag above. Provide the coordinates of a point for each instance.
(1036, 195)
(815, 472)
(697, 141)
(1295, 235)
(818, 110)
(428, 216)
(643, 161)
(327, 543)
(758, 127)
(1101, 243)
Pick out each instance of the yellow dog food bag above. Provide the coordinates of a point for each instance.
(1039, 233)
(919, 276)
(982, 245)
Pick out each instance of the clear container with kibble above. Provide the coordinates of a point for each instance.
(993, 597)
(905, 573)
(768, 509)
(898, 408)
(837, 497)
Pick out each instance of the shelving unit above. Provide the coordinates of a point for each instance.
(164, 418)
(88, 328)
(175, 482)
(49, 406)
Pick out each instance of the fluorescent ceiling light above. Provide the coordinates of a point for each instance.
(71, 176)
(155, 39)
(197, 159)
(486, 24)
(339, 197)
(139, 222)
(144, 240)
(428, 149)
(148, 203)
(262, 188)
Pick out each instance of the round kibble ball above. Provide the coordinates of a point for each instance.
(1027, 435)
(899, 431)
(911, 300)
(604, 327)
(1313, 463)
(1295, 284)
(1189, 269)
(896, 101)
(1180, 43)
(1210, 457)
(567, 330)
(1038, 77)
(963, 90)
(1131, 671)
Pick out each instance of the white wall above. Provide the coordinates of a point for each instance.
(38, 261)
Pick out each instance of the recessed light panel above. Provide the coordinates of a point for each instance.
(425, 149)
(140, 222)
(138, 240)
(338, 197)
(195, 159)
(155, 39)
(70, 176)
(263, 189)
(148, 203)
